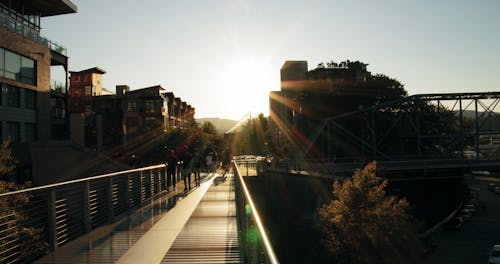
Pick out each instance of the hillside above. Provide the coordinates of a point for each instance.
(221, 124)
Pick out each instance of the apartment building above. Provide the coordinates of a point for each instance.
(33, 107)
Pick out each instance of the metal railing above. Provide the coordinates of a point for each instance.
(254, 240)
(37, 220)
(15, 23)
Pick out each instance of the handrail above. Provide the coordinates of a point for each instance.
(81, 180)
(267, 245)
(58, 213)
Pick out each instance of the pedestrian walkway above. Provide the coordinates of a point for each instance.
(109, 243)
(211, 234)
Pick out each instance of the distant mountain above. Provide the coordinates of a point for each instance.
(488, 120)
(221, 124)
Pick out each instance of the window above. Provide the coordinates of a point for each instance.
(30, 99)
(132, 106)
(29, 132)
(13, 131)
(2, 63)
(88, 90)
(12, 65)
(16, 67)
(13, 96)
(150, 106)
(27, 70)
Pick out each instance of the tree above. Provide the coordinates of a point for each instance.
(364, 225)
(13, 217)
(7, 162)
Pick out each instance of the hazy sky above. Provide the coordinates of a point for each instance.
(224, 56)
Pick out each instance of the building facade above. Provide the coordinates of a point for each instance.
(33, 107)
(307, 97)
(102, 121)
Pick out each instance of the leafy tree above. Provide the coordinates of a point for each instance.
(7, 162)
(364, 225)
(13, 217)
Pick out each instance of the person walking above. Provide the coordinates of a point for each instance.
(227, 160)
(196, 160)
(171, 166)
(186, 168)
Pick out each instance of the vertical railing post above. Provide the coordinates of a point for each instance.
(127, 192)
(111, 211)
(86, 206)
(151, 184)
(52, 220)
(158, 179)
(141, 185)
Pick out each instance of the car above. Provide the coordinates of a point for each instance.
(494, 257)
(492, 186)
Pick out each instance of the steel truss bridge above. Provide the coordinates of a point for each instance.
(423, 126)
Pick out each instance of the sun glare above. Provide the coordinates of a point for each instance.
(245, 83)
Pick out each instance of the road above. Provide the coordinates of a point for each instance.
(473, 243)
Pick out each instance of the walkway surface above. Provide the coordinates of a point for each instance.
(199, 224)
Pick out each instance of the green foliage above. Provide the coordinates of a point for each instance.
(254, 138)
(7, 162)
(199, 141)
(364, 225)
(13, 217)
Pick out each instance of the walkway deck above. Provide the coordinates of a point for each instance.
(200, 224)
(211, 234)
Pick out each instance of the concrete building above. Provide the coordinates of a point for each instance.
(306, 97)
(33, 107)
(34, 99)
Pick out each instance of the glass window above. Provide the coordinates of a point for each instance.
(29, 132)
(28, 70)
(131, 106)
(16, 67)
(12, 65)
(2, 62)
(150, 106)
(30, 99)
(13, 96)
(88, 91)
(13, 131)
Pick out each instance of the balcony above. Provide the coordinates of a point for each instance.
(57, 86)
(16, 23)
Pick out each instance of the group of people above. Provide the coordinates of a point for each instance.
(183, 163)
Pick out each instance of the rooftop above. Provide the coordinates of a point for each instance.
(41, 8)
(92, 70)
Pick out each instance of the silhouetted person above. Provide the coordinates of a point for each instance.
(209, 162)
(215, 159)
(196, 161)
(186, 168)
(227, 160)
(171, 166)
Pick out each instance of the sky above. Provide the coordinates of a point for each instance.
(223, 57)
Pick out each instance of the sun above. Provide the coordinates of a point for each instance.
(247, 85)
